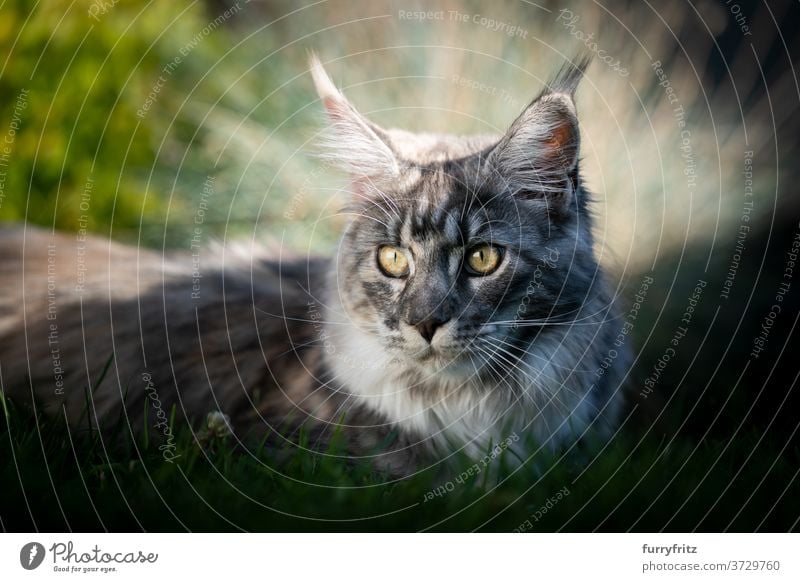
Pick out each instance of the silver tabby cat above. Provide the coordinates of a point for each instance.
(464, 305)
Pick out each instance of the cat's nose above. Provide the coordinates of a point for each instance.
(428, 327)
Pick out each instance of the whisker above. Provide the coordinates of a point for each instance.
(552, 393)
(558, 318)
(525, 349)
(561, 383)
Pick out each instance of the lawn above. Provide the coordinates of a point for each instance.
(82, 482)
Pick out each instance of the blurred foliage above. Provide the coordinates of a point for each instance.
(107, 97)
(80, 123)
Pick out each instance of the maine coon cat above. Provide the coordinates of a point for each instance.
(463, 305)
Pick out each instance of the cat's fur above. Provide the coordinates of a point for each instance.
(279, 344)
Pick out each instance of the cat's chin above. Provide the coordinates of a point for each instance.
(441, 363)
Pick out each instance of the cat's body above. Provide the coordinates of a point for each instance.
(225, 344)
(419, 361)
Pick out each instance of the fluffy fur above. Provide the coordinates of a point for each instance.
(324, 343)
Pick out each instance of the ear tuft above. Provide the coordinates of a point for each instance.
(540, 150)
(352, 141)
(327, 91)
(567, 79)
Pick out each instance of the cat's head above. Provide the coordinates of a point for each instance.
(460, 250)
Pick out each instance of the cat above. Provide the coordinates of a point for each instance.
(463, 307)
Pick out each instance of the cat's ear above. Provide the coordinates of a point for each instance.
(352, 141)
(537, 157)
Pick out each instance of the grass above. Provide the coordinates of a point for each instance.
(56, 480)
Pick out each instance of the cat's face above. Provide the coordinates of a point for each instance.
(447, 274)
(460, 249)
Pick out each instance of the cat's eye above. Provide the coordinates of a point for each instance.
(392, 261)
(483, 259)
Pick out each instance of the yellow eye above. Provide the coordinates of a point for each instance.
(483, 259)
(392, 261)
